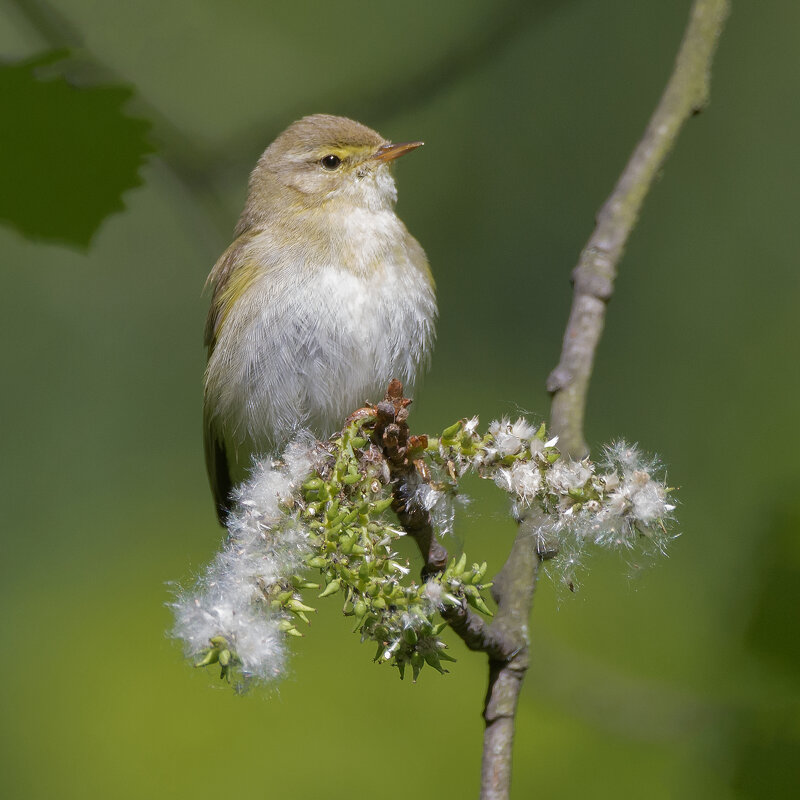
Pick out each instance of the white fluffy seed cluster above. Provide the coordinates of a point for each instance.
(266, 544)
(615, 504)
(610, 504)
(631, 501)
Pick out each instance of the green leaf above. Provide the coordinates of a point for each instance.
(67, 153)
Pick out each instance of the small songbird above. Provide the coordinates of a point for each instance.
(320, 301)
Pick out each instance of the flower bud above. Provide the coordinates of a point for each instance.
(330, 589)
(211, 657)
(433, 659)
(381, 505)
(417, 663)
(409, 635)
(452, 430)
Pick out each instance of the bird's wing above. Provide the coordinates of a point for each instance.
(223, 278)
(229, 277)
(219, 476)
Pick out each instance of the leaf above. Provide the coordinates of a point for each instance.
(67, 153)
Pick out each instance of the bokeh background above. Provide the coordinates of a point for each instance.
(676, 679)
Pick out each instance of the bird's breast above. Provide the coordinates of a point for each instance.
(322, 330)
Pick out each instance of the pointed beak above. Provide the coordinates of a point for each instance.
(389, 152)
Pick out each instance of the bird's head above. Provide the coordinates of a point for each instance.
(325, 160)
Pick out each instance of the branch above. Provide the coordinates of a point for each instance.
(392, 436)
(686, 94)
(513, 591)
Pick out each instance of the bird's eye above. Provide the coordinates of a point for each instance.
(330, 162)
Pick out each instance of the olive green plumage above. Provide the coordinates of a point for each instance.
(322, 298)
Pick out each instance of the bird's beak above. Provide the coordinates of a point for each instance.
(389, 152)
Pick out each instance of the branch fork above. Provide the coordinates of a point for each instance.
(505, 640)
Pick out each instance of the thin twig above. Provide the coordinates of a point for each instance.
(686, 93)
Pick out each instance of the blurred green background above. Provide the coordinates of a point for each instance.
(671, 680)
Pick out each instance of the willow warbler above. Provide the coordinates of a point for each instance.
(320, 301)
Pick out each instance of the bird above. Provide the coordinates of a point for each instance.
(322, 298)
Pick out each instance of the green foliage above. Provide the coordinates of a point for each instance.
(68, 153)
